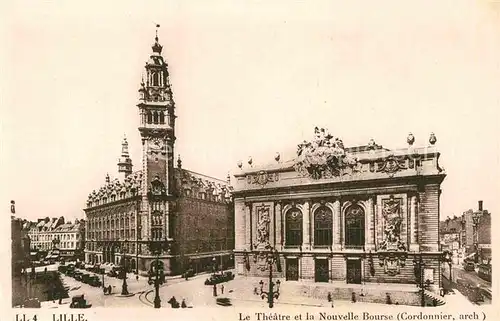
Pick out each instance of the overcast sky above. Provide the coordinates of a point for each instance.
(247, 80)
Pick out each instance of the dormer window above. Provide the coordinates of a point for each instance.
(113, 198)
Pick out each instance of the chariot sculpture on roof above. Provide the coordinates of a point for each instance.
(323, 157)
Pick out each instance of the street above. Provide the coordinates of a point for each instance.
(463, 281)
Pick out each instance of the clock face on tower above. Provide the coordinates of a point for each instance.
(157, 143)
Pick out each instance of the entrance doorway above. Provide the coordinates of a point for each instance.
(321, 270)
(292, 269)
(353, 271)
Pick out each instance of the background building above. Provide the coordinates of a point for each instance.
(42, 234)
(20, 246)
(70, 240)
(468, 236)
(131, 218)
(336, 214)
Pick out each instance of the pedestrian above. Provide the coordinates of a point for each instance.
(222, 289)
(255, 291)
(109, 289)
(137, 278)
(183, 304)
(215, 290)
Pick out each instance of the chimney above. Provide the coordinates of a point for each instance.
(480, 205)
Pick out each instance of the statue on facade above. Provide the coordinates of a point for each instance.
(323, 157)
(263, 226)
(391, 212)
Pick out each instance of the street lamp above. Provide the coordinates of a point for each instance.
(422, 284)
(448, 257)
(157, 248)
(475, 220)
(272, 257)
(124, 272)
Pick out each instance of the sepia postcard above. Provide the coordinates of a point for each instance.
(250, 160)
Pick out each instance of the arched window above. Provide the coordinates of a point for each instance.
(355, 226)
(149, 117)
(323, 219)
(293, 227)
(156, 79)
(162, 118)
(155, 117)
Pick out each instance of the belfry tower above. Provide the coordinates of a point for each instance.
(157, 129)
(124, 162)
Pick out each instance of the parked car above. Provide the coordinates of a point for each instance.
(86, 278)
(189, 273)
(219, 278)
(79, 302)
(78, 275)
(95, 281)
(469, 266)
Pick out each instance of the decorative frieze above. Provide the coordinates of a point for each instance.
(262, 178)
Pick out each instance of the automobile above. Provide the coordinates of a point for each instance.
(86, 278)
(469, 266)
(219, 278)
(79, 302)
(112, 273)
(189, 273)
(79, 265)
(32, 303)
(78, 275)
(95, 281)
(62, 268)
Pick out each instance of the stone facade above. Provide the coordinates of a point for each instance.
(360, 214)
(155, 213)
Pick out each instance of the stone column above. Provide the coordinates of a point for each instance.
(167, 217)
(272, 229)
(306, 227)
(278, 227)
(248, 226)
(336, 225)
(239, 226)
(369, 224)
(413, 223)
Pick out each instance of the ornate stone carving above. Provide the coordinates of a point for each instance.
(157, 187)
(391, 211)
(391, 165)
(262, 178)
(392, 261)
(324, 157)
(263, 224)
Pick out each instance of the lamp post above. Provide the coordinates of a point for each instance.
(475, 220)
(157, 248)
(271, 256)
(124, 273)
(422, 284)
(448, 257)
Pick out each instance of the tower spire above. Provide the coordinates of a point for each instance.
(124, 162)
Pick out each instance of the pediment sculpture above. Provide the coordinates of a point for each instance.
(323, 157)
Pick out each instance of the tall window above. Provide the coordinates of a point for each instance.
(323, 226)
(293, 227)
(354, 226)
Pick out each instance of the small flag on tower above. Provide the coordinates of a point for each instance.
(13, 207)
(157, 26)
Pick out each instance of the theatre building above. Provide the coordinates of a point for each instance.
(342, 214)
(162, 211)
